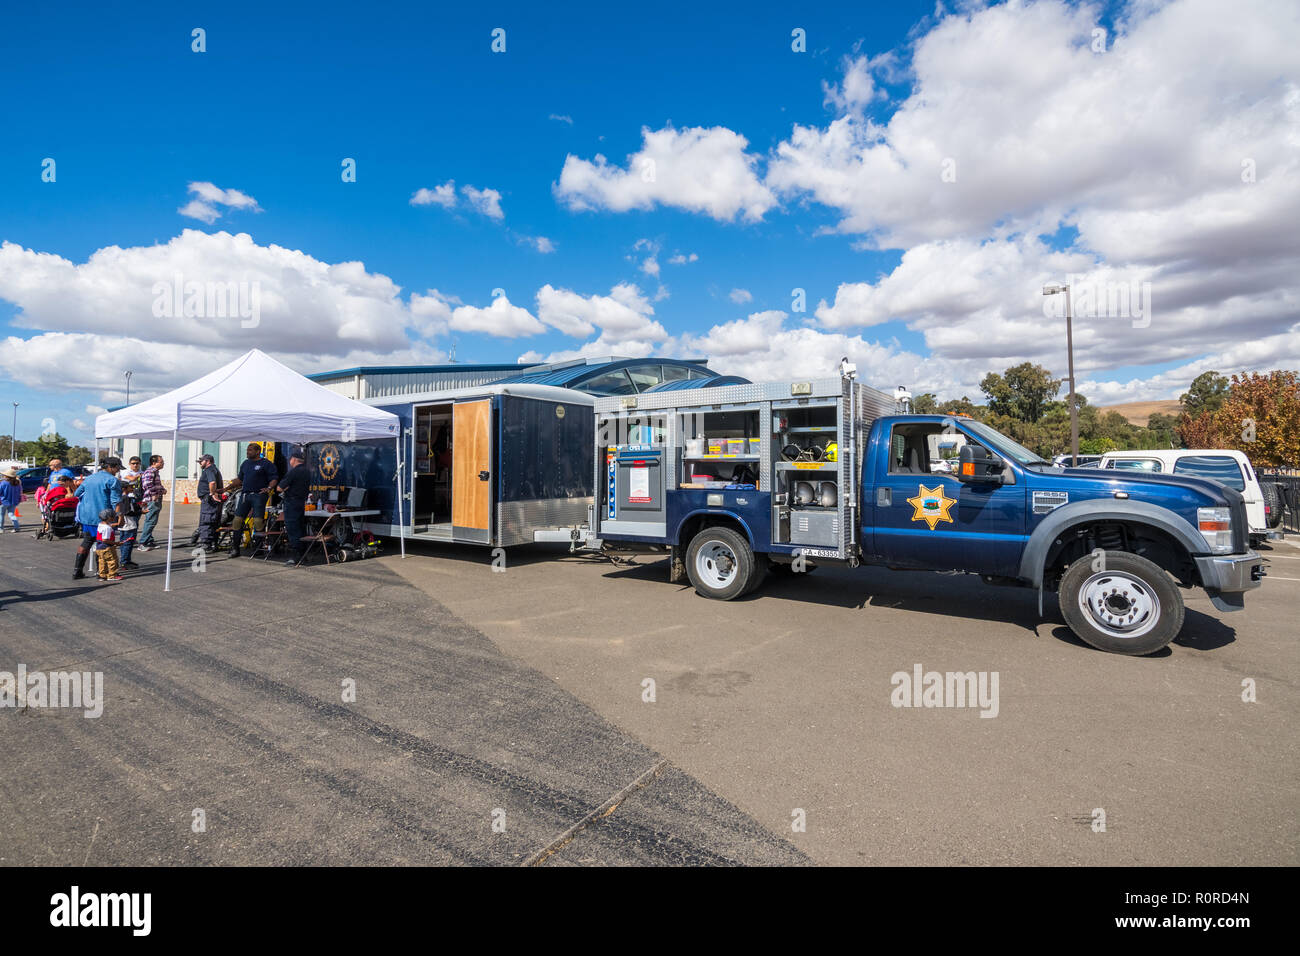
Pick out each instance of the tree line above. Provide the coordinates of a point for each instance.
(1256, 413)
(46, 447)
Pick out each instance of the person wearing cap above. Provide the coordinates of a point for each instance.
(11, 496)
(209, 492)
(258, 478)
(294, 486)
(101, 491)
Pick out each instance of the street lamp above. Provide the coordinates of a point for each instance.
(128, 387)
(1069, 348)
(14, 433)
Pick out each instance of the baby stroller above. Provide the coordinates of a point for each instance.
(58, 518)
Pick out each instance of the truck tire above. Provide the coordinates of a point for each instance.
(757, 574)
(1130, 607)
(719, 563)
(1273, 501)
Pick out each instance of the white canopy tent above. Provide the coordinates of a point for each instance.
(252, 398)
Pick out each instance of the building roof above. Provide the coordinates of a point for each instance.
(682, 384)
(415, 369)
(571, 375)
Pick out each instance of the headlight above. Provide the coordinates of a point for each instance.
(1215, 525)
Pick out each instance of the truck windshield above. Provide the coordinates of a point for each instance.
(1004, 445)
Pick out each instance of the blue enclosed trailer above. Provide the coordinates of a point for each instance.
(495, 465)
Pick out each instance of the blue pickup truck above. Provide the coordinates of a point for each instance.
(739, 481)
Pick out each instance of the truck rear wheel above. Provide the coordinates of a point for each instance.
(1129, 606)
(720, 564)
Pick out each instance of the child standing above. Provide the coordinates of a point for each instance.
(106, 546)
(11, 496)
(129, 509)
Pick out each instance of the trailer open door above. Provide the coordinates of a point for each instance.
(471, 471)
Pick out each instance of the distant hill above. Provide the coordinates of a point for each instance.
(1138, 413)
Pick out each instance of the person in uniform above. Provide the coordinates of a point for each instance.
(209, 491)
(258, 478)
(294, 486)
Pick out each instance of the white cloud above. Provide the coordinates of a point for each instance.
(1140, 149)
(740, 296)
(500, 319)
(95, 318)
(561, 119)
(650, 266)
(540, 243)
(444, 195)
(857, 89)
(680, 259)
(621, 317)
(697, 169)
(485, 201)
(208, 196)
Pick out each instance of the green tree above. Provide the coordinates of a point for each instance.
(1021, 392)
(49, 446)
(1207, 393)
(925, 404)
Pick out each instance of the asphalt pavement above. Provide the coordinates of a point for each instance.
(226, 737)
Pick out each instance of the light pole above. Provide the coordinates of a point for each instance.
(128, 387)
(14, 434)
(1069, 348)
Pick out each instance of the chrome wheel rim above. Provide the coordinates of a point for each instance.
(1119, 604)
(716, 565)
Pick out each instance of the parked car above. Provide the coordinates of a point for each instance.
(1230, 468)
(33, 478)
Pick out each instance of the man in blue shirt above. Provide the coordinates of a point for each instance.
(101, 490)
(257, 478)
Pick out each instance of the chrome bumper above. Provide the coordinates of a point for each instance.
(1227, 577)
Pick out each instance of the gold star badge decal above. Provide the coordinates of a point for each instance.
(931, 506)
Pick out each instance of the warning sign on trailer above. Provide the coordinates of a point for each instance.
(638, 489)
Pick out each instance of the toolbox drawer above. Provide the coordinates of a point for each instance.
(815, 526)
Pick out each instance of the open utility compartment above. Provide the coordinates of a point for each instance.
(720, 449)
(807, 506)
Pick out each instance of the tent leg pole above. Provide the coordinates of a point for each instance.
(401, 520)
(171, 518)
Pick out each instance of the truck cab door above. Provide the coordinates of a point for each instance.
(924, 517)
(919, 519)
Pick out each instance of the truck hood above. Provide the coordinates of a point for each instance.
(1141, 484)
(1181, 494)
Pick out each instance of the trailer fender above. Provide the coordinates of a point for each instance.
(1080, 512)
(717, 513)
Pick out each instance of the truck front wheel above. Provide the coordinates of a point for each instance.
(720, 564)
(1121, 603)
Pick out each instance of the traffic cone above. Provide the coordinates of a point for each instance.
(187, 498)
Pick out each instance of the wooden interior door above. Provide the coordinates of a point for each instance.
(471, 461)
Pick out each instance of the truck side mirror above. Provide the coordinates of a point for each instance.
(977, 464)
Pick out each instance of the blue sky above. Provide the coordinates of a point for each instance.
(132, 116)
